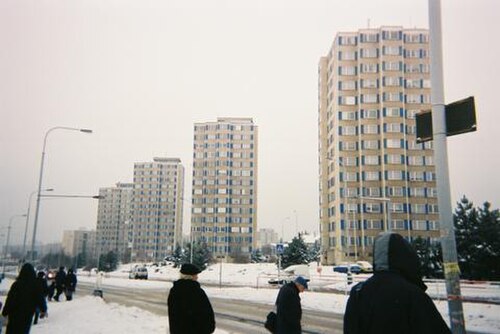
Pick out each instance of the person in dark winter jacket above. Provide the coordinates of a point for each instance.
(60, 281)
(23, 298)
(288, 308)
(70, 284)
(189, 310)
(393, 300)
(41, 281)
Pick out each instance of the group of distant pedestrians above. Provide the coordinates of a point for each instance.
(392, 300)
(26, 301)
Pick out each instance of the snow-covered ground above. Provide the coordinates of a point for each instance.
(249, 282)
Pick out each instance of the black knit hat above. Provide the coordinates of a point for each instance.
(189, 269)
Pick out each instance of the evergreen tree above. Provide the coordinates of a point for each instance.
(430, 255)
(295, 253)
(178, 256)
(488, 248)
(108, 262)
(466, 236)
(202, 256)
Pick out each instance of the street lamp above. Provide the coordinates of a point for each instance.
(8, 238)
(28, 219)
(40, 180)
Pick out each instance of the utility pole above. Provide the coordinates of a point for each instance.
(451, 269)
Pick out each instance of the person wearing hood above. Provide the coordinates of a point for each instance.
(189, 310)
(70, 284)
(393, 300)
(22, 300)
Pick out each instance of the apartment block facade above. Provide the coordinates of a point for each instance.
(224, 194)
(114, 216)
(79, 243)
(373, 176)
(157, 204)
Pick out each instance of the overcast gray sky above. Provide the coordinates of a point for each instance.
(140, 73)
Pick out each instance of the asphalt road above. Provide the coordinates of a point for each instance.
(233, 316)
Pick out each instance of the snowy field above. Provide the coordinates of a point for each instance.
(88, 314)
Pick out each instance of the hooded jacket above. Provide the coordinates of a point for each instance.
(23, 298)
(189, 310)
(393, 300)
(289, 310)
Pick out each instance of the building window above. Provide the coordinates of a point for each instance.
(392, 81)
(392, 66)
(371, 129)
(350, 161)
(429, 160)
(397, 207)
(419, 225)
(418, 208)
(398, 224)
(348, 130)
(369, 83)
(373, 224)
(393, 127)
(391, 50)
(347, 100)
(371, 160)
(372, 208)
(396, 191)
(417, 192)
(347, 55)
(392, 97)
(372, 176)
(369, 68)
(348, 85)
(433, 208)
(347, 70)
(370, 144)
(348, 145)
(394, 159)
(393, 112)
(393, 143)
(369, 98)
(370, 113)
(394, 175)
(372, 192)
(369, 53)
(433, 225)
(416, 176)
(351, 176)
(416, 160)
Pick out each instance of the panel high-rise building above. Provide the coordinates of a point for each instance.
(114, 215)
(157, 204)
(224, 195)
(371, 84)
(80, 244)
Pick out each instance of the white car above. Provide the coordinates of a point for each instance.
(366, 267)
(138, 273)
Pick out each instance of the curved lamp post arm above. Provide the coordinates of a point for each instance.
(41, 177)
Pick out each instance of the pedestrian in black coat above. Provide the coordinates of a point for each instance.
(23, 298)
(41, 282)
(60, 281)
(393, 300)
(288, 307)
(189, 310)
(70, 284)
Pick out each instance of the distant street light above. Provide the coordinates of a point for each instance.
(8, 238)
(40, 178)
(28, 219)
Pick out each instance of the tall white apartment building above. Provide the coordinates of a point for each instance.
(224, 195)
(114, 215)
(79, 243)
(267, 236)
(372, 171)
(157, 204)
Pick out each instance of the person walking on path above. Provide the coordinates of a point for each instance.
(41, 281)
(189, 310)
(70, 284)
(23, 298)
(393, 300)
(60, 281)
(288, 307)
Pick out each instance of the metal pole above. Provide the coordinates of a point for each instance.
(6, 247)
(40, 182)
(27, 222)
(451, 269)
